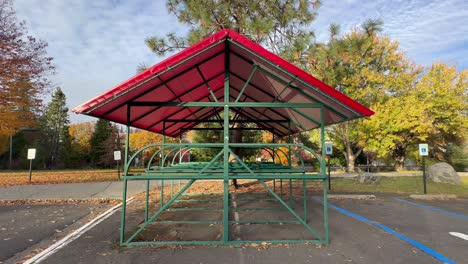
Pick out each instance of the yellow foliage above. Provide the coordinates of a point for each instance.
(81, 135)
(143, 138)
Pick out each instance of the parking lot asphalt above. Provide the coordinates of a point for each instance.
(429, 227)
(23, 226)
(352, 239)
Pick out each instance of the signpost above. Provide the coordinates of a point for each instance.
(423, 152)
(329, 152)
(117, 158)
(31, 156)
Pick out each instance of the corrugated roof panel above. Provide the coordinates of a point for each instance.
(188, 76)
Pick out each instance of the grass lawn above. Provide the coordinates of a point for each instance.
(56, 176)
(410, 185)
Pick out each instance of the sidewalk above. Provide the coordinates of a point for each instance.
(79, 191)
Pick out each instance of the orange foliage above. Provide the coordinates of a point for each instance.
(81, 135)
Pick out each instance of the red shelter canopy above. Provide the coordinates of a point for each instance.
(197, 74)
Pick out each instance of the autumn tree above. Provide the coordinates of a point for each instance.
(432, 109)
(442, 92)
(142, 138)
(24, 71)
(369, 68)
(80, 134)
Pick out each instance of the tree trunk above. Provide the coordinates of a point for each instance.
(399, 155)
(350, 159)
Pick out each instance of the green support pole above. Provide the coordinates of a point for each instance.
(323, 172)
(172, 188)
(289, 162)
(161, 199)
(304, 190)
(124, 209)
(160, 211)
(273, 141)
(281, 189)
(289, 144)
(180, 156)
(290, 210)
(290, 193)
(226, 147)
(180, 150)
(147, 200)
(274, 181)
(124, 192)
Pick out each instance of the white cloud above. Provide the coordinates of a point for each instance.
(98, 44)
(429, 31)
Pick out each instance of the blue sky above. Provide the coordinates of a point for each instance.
(97, 44)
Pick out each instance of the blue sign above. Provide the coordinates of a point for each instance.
(328, 148)
(423, 150)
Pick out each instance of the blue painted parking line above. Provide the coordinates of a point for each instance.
(422, 247)
(432, 208)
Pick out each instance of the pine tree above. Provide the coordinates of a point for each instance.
(103, 143)
(55, 142)
(282, 26)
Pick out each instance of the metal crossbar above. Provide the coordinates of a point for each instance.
(220, 168)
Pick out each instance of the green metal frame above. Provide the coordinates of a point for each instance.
(219, 168)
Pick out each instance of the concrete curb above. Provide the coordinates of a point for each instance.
(352, 196)
(433, 196)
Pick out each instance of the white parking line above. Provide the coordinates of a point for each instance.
(459, 235)
(74, 235)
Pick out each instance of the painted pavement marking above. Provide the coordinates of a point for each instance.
(420, 246)
(432, 208)
(459, 235)
(74, 235)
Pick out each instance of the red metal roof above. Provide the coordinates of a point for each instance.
(188, 75)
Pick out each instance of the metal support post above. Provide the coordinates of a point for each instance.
(329, 176)
(124, 192)
(281, 189)
(162, 159)
(289, 144)
(322, 170)
(147, 200)
(424, 173)
(304, 190)
(226, 147)
(30, 170)
(290, 193)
